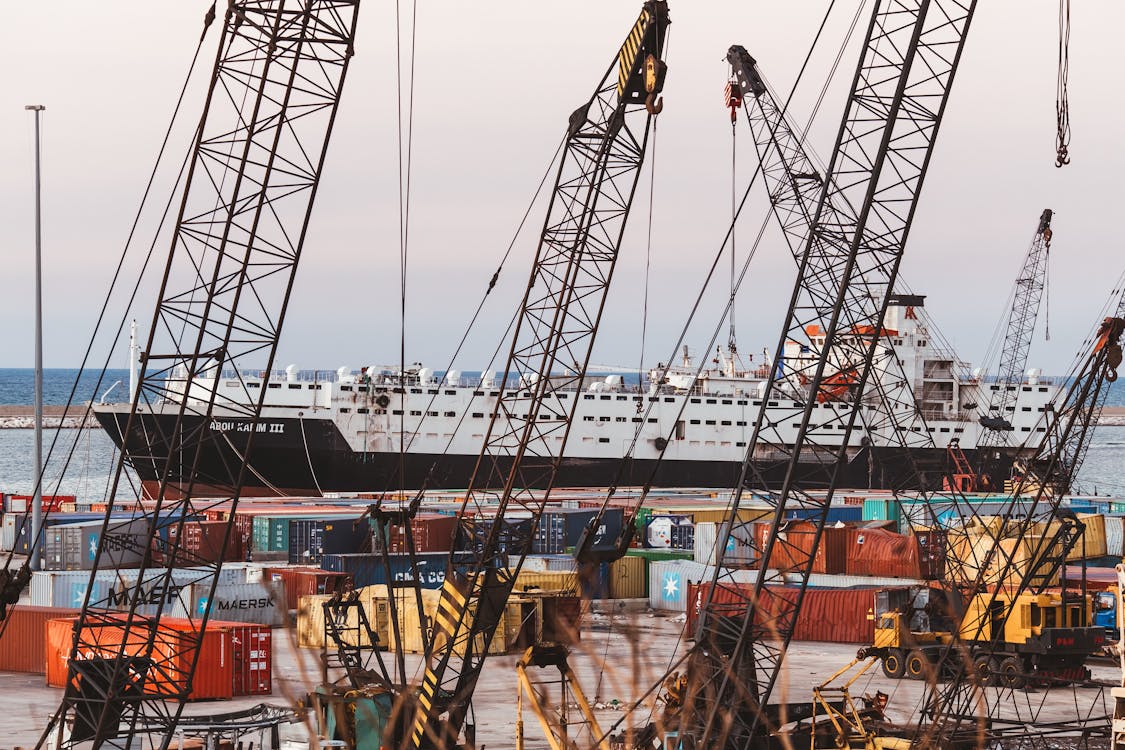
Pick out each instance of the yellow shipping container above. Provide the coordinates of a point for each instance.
(627, 577)
(1010, 563)
(1095, 538)
(545, 580)
(310, 621)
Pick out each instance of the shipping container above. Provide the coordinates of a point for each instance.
(23, 647)
(251, 654)
(74, 546)
(295, 582)
(112, 589)
(237, 602)
(668, 582)
(829, 615)
(628, 578)
(203, 541)
(311, 539)
(531, 580)
(561, 528)
(432, 532)
(658, 532)
(795, 541)
(879, 552)
(310, 623)
(882, 509)
(367, 568)
(739, 548)
(1114, 536)
(172, 653)
(515, 535)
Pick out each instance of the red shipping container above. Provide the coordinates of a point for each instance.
(251, 657)
(791, 550)
(204, 540)
(829, 615)
(172, 653)
(24, 643)
(432, 532)
(878, 552)
(299, 581)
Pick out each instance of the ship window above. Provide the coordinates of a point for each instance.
(1027, 389)
(1042, 390)
(652, 420)
(603, 440)
(797, 425)
(494, 393)
(1040, 429)
(921, 343)
(945, 429)
(713, 401)
(361, 411)
(929, 429)
(603, 419)
(638, 398)
(397, 412)
(1026, 408)
(361, 389)
(587, 419)
(637, 419)
(451, 393)
(772, 403)
(622, 398)
(669, 400)
(315, 387)
(726, 423)
(293, 386)
(541, 416)
(431, 414)
(917, 429)
(740, 444)
(394, 390)
(958, 429)
(993, 387)
(588, 397)
(606, 398)
(478, 415)
(620, 419)
(727, 402)
(344, 410)
(415, 390)
(345, 388)
(377, 390)
(1026, 429)
(710, 421)
(695, 401)
(695, 421)
(757, 403)
(654, 399)
(380, 411)
(415, 413)
(563, 395)
(478, 393)
(451, 414)
(432, 392)
(560, 417)
(275, 385)
(742, 403)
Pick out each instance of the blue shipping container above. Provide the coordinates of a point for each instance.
(367, 569)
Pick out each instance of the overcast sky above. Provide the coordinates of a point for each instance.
(494, 86)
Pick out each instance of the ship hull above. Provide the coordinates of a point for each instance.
(309, 457)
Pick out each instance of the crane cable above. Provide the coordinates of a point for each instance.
(1062, 94)
(648, 252)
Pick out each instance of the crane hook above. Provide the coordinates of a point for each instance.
(654, 104)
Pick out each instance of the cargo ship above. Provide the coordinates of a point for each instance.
(382, 429)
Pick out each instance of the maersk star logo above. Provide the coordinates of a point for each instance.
(671, 585)
(93, 546)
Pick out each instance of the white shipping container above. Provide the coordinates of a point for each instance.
(668, 582)
(1114, 536)
(739, 550)
(840, 581)
(237, 602)
(8, 532)
(112, 588)
(74, 546)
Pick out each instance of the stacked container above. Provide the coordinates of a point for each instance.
(367, 569)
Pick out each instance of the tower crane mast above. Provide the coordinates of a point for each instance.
(1030, 285)
(554, 335)
(252, 176)
(847, 272)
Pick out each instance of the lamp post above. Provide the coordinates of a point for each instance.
(37, 500)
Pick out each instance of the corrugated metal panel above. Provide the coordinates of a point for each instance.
(237, 602)
(24, 645)
(878, 552)
(1114, 536)
(795, 540)
(628, 578)
(824, 581)
(67, 588)
(828, 615)
(251, 648)
(669, 580)
(296, 581)
(1095, 539)
(739, 547)
(171, 651)
(432, 532)
(367, 569)
(530, 580)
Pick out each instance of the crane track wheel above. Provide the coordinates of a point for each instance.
(894, 665)
(986, 670)
(1010, 673)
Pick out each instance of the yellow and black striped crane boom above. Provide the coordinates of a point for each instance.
(533, 406)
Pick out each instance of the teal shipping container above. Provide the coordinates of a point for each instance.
(271, 533)
(882, 509)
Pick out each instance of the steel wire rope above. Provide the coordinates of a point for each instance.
(718, 256)
(403, 210)
(1062, 92)
(208, 19)
(648, 252)
(674, 658)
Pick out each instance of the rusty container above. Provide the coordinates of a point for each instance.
(883, 553)
(794, 542)
(298, 581)
(24, 645)
(251, 648)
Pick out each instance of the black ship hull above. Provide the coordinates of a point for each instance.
(309, 457)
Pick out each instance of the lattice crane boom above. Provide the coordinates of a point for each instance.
(1030, 285)
(253, 171)
(556, 326)
(879, 162)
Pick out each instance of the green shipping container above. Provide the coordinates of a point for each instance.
(882, 509)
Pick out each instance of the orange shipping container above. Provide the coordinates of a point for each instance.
(298, 581)
(791, 550)
(172, 654)
(878, 552)
(829, 615)
(24, 644)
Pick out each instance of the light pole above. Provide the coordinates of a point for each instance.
(37, 500)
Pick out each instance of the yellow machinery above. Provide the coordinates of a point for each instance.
(839, 722)
(1016, 638)
(558, 722)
